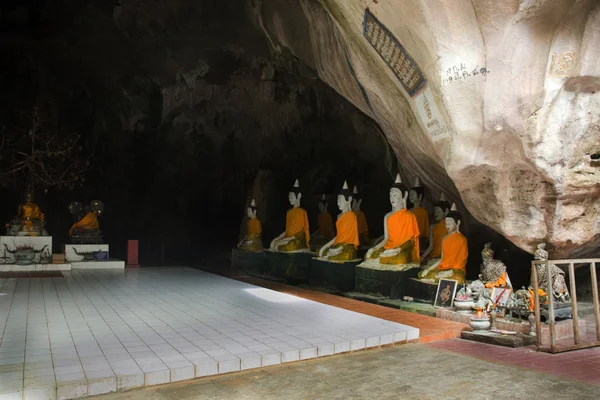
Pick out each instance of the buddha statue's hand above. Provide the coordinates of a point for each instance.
(444, 274)
(391, 252)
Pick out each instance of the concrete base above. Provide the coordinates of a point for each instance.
(12, 242)
(251, 262)
(422, 291)
(516, 340)
(71, 256)
(388, 283)
(112, 264)
(34, 267)
(338, 276)
(293, 267)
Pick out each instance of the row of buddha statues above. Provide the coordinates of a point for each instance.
(406, 232)
(30, 221)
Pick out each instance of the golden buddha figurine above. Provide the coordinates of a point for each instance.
(453, 263)
(253, 239)
(87, 229)
(296, 236)
(438, 230)
(415, 196)
(400, 244)
(363, 228)
(344, 246)
(325, 230)
(31, 217)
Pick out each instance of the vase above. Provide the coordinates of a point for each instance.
(464, 306)
(480, 324)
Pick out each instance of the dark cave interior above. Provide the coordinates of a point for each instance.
(180, 106)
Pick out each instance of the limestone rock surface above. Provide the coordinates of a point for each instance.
(514, 88)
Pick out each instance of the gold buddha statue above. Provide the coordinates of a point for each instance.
(415, 196)
(438, 230)
(296, 236)
(453, 262)
(253, 239)
(400, 244)
(29, 220)
(325, 230)
(363, 227)
(344, 246)
(87, 229)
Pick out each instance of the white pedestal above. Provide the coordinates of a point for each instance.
(34, 267)
(72, 257)
(12, 242)
(112, 264)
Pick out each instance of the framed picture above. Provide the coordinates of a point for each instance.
(446, 290)
(499, 297)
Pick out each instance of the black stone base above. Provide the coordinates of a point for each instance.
(251, 262)
(420, 290)
(383, 283)
(518, 340)
(561, 311)
(293, 267)
(333, 275)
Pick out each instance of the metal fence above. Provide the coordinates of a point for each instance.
(577, 344)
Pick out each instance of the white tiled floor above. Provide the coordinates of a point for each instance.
(98, 331)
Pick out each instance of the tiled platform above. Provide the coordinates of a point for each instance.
(98, 331)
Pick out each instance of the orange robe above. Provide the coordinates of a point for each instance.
(363, 228)
(347, 229)
(499, 282)
(402, 227)
(296, 221)
(325, 223)
(90, 221)
(422, 220)
(31, 210)
(439, 231)
(254, 228)
(454, 253)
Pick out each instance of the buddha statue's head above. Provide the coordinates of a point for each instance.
(416, 194)
(487, 253)
(252, 210)
(453, 220)
(322, 204)
(97, 207)
(295, 195)
(28, 197)
(344, 199)
(356, 199)
(398, 194)
(441, 209)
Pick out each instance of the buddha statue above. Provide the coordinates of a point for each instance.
(415, 196)
(296, 236)
(253, 239)
(29, 220)
(325, 231)
(493, 272)
(344, 246)
(438, 230)
(87, 229)
(363, 228)
(560, 289)
(453, 262)
(400, 244)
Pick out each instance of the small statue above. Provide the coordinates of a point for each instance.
(253, 239)
(29, 220)
(325, 230)
(453, 263)
(363, 227)
(493, 272)
(415, 196)
(296, 236)
(438, 231)
(481, 294)
(560, 289)
(400, 244)
(87, 229)
(344, 246)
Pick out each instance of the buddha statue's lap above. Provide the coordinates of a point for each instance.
(344, 246)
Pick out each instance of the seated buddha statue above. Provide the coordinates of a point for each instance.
(296, 236)
(87, 229)
(560, 290)
(453, 263)
(253, 239)
(438, 230)
(325, 230)
(363, 228)
(344, 246)
(400, 244)
(415, 196)
(493, 272)
(30, 219)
